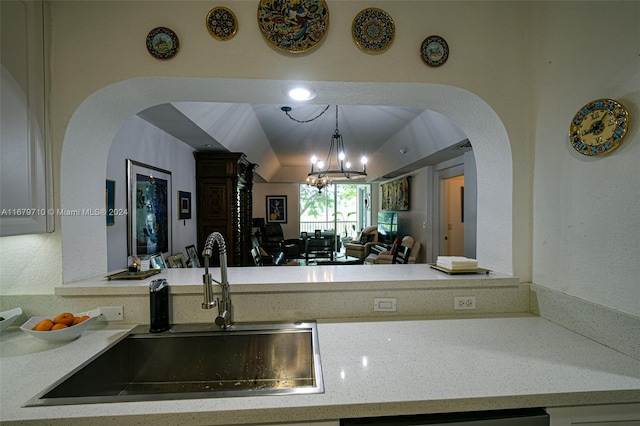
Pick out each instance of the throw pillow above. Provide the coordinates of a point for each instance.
(395, 245)
(363, 238)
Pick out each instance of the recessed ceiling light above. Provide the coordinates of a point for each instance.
(301, 94)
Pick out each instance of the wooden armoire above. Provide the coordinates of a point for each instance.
(224, 185)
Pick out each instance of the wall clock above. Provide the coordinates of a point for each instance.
(598, 127)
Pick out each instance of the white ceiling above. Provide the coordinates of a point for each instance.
(268, 136)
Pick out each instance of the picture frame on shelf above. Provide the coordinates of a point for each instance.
(193, 260)
(156, 261)
(176, 261)
(276, 209)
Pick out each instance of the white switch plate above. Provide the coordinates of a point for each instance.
(384, 304)
(111, 313)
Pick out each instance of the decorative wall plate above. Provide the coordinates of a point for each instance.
(162, 43)
(294, 26)
(598, 127)
(222, 23)
(434, 51)
(373, 30)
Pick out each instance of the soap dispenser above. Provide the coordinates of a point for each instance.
(159, 306)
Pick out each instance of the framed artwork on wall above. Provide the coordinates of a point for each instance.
(184, 205)
(276, 209)
(110, 201)
(395, 194)
(149, 207)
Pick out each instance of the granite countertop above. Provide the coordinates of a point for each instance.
(369, 368)
(299, 279)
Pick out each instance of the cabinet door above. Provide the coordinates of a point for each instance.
(598, 415)
(25, 182)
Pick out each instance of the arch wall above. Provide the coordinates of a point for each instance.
(94, 124)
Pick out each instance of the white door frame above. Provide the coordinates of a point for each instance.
(441, 172)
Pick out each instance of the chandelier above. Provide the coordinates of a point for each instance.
(324, 172)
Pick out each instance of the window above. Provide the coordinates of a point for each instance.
(342, 206)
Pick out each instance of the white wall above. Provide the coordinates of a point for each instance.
(140, 141)
(586, 211)
(531, 64)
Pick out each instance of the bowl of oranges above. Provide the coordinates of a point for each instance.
(60, 328)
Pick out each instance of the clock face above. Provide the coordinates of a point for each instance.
(599, 127)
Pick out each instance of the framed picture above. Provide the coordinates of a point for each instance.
(193, 260)
(277, 208)
(317, 233)
(176, 261)
(156, 261)
(304, 235)
(184, 205)
(395, 194)
(149, 206)
(110, 202)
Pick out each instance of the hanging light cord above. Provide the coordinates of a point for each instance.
(287, 109)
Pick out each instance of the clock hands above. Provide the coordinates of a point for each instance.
(597, 127)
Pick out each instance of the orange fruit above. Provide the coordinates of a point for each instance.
(65, 318)
(59, 326)
(44, 325)
(78, 320)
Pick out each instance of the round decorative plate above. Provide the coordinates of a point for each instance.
(222, 23)
(434, 51)
(162, 43)
(598, 127)
(373, 30)
(294, 26)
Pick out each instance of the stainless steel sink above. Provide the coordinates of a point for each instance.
(196, 361)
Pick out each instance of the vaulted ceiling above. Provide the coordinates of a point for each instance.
(282, 145)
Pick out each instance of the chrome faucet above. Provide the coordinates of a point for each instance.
(225, 309)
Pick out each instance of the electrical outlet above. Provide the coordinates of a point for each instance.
(111, 313)
(464, 302)
(384, 304)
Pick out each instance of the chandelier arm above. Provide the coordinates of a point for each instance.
(322, 177)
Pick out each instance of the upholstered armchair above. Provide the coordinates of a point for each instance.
(360, 246)
(386, 257)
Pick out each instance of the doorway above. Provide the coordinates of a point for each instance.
(452, 219)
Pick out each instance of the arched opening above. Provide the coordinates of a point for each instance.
(95, 123)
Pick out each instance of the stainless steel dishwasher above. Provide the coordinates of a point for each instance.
(517, 417)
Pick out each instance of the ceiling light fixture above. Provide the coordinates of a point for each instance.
(322, 173)
(301, 94)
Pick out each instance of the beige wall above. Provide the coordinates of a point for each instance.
(514, 55)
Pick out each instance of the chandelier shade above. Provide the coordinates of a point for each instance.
(337, 165)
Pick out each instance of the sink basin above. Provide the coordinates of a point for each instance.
(196, 361)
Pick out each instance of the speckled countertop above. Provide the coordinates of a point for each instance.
(369, 369)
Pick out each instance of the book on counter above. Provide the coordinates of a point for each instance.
(456, 263)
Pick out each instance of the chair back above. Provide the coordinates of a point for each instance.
(401, 256)
(255, 255)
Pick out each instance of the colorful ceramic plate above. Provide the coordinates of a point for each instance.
(293, 26)
(434, 51)
(162, 43)
(373, 30)
(222, 23)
